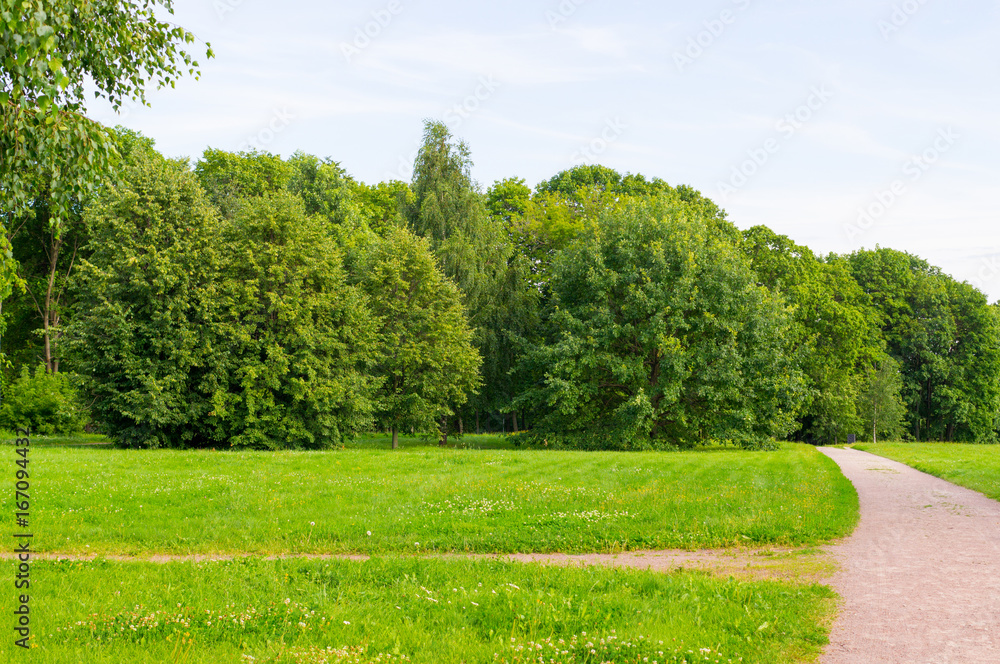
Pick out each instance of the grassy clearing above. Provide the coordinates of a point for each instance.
(405, 609)
(429, 499)
(976, 467)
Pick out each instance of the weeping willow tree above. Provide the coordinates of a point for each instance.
(474, 250)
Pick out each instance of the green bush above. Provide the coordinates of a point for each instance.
(46, 403)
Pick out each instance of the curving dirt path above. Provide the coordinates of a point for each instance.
(920, 577)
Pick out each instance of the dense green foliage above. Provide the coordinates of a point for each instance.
(55, 54)
(425, 360)
(297, 337)
(43, 402)
(278, 303)
(833, 335)
(147, 300)
(945, 338)
(658, 332)
(194, 330)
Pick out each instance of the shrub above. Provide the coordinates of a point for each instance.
(46, 403)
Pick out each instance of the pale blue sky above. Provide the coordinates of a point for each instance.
(793, 114)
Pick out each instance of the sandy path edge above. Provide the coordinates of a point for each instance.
(804, 565)
(920, 577)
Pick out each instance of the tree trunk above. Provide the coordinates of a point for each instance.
(49, 316)
(478, 431)
(874, 427)
(48, 307)
(444, 431)
(395, 437)
(514, 415)
(461, 427)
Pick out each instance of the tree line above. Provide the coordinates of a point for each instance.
(262, 302)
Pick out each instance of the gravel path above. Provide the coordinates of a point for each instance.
(920, 577)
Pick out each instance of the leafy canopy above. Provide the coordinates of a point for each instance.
(52, 52)
(426, 359)
(659, 334)
(145, 333)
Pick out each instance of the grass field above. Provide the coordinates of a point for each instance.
(427, 499)
(477, 496)
(395, 610)
(976, 467)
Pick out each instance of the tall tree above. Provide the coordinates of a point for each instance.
(145, 335)
(835, 334)
(472, 249)
(426, 359)
(450, 212)
(195, 330)
(879, 402)
(945, 339)
(301, 339)
(657, 332)
(55, 53)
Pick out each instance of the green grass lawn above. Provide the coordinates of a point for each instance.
(74, 440)
(424, 499)
(976, 467)
(255, 611)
